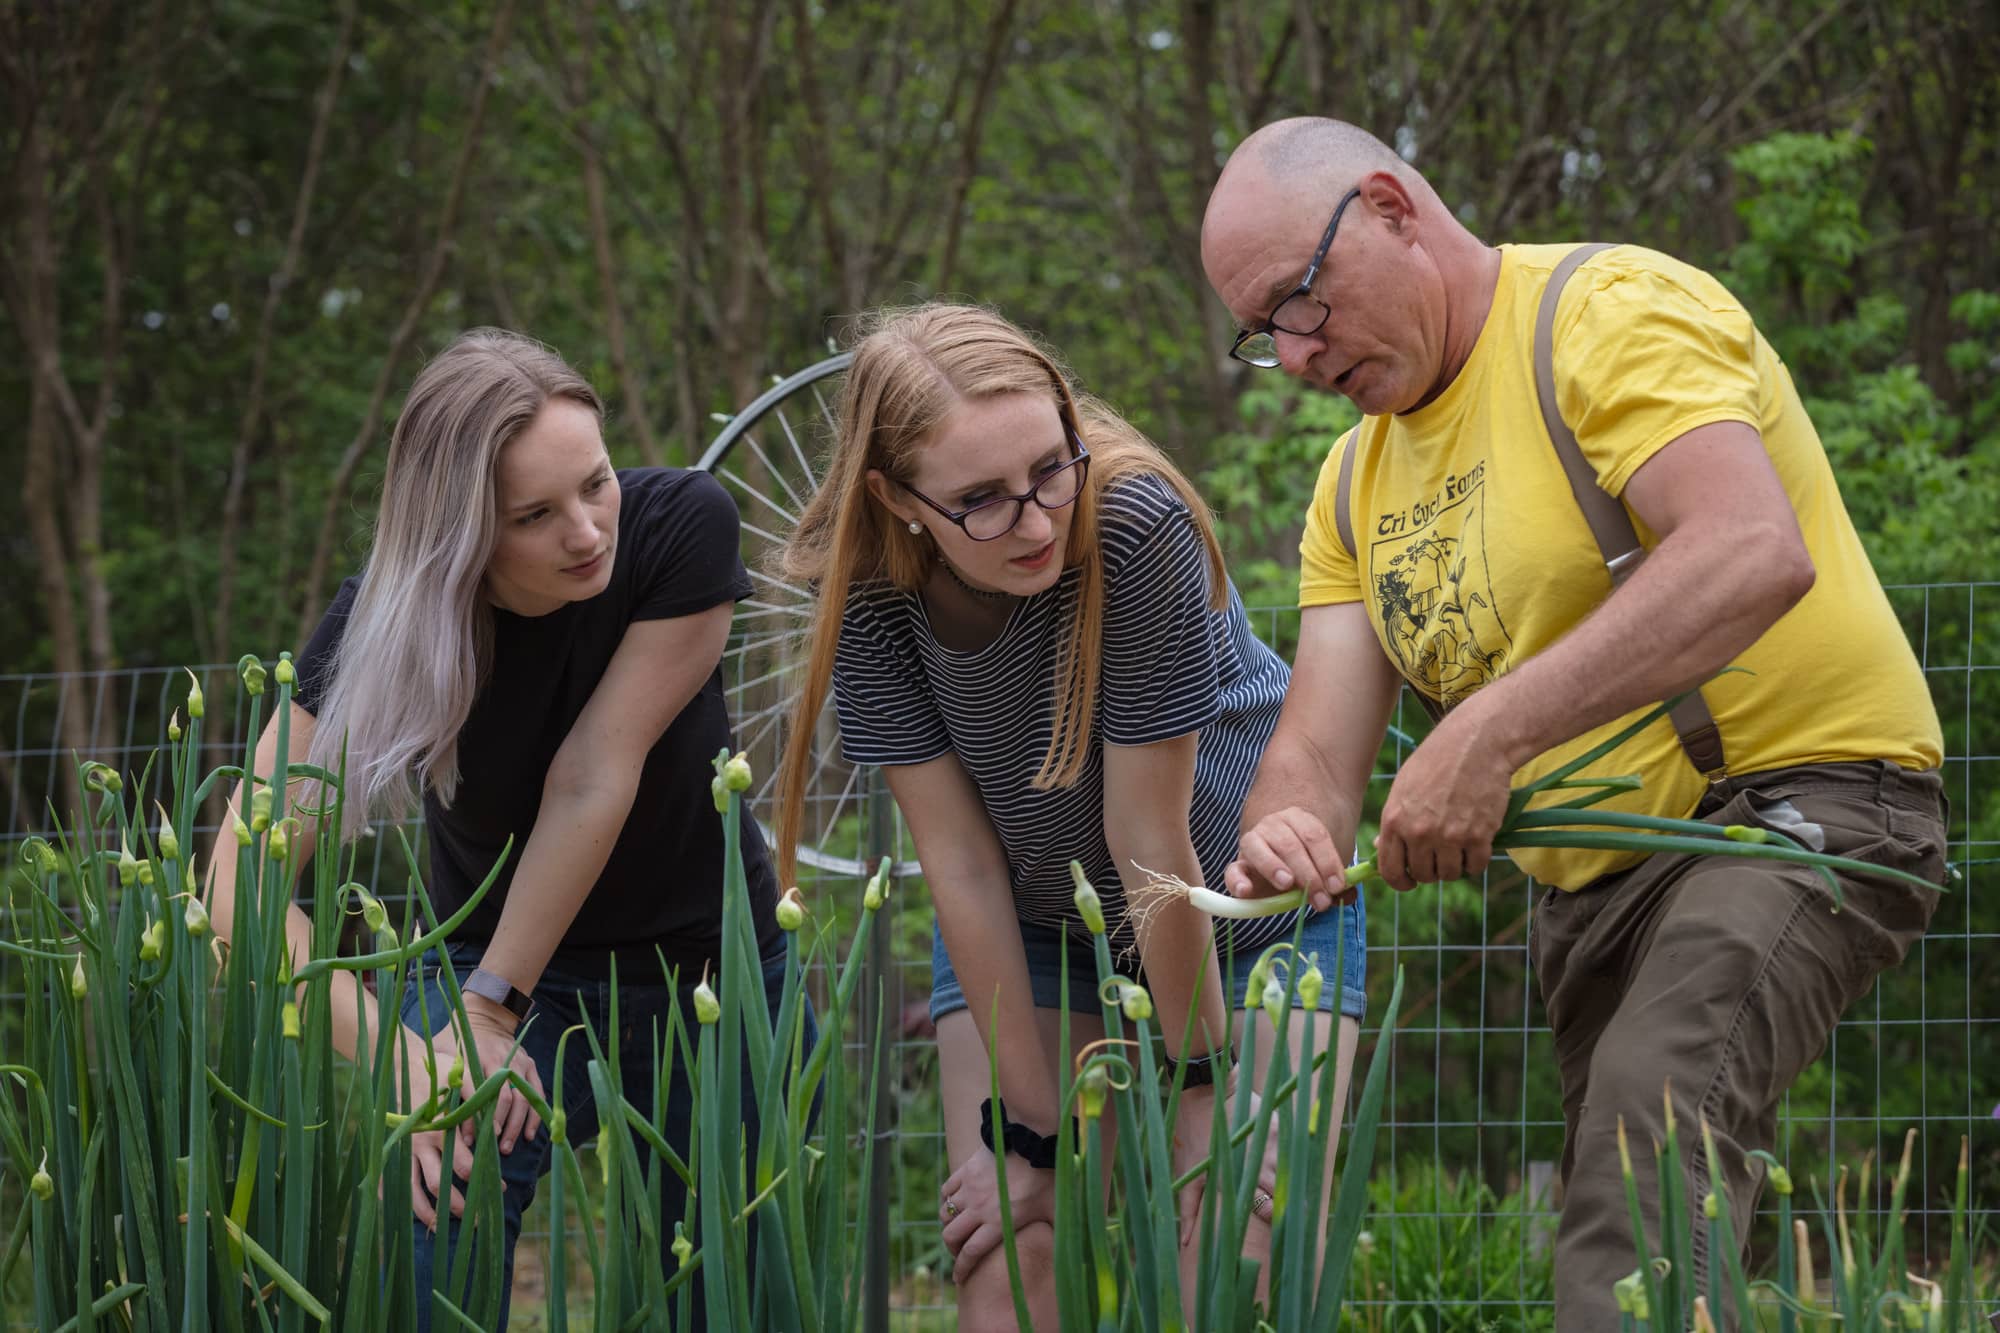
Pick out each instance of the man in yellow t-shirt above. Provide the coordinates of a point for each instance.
(1473, 574)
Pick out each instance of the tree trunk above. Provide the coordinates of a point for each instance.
(312, 601)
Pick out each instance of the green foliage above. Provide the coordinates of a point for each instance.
(1919, 471)
(1445, 1254)
(1116, 1257)
(195, 1155)
(1262, 481)
(163, 1076)
(1862, 1281)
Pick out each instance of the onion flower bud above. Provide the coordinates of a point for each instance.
(196, 917)
(174, 727)
(1311, 983)
(128, 865)
(1136, 1003)
(1781, 1180)
(286, 673)
(720, 793)
(736, 773)
(280, 843)
(41, 1184)
(558, 1126)
(260, 809)
(252, 672)
(877, 891)
(79, 984)
(1746, 833)
(791, 911)
(1628, 1291)
(170, 844)
(195, 706)
(1088, 905)
(682, 1247)
(375, 916)
(153, 941)
(38, 853)
(288, 1021)
(707, 1009)
(1092, 1087)
(1711, 1206)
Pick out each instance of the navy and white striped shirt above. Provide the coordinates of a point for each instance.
(1170, 666)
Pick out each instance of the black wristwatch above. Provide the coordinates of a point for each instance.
(1037, 1150)
(1202, 1071)
(492, 986)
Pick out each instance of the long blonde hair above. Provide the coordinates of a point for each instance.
(420, 633)
(912, 367)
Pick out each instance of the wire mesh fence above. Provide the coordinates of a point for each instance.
(1465, 1200)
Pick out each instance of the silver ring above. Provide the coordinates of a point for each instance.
(1262, 1204)
(950, 1209)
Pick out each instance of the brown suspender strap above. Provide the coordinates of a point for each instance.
(1343, 492)
(1617, 541)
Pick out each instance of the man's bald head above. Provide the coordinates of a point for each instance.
(1315, 152)
(1300, 166)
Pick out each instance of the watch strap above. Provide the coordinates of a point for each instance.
(492, 986)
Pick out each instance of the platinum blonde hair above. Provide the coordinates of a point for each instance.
(419, 636)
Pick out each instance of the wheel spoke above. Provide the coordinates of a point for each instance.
(760, 497)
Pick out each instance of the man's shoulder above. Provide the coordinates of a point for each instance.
(1628, 274)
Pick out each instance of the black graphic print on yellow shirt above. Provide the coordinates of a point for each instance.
(1434, 592)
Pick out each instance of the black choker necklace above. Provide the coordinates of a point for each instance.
(981, 593)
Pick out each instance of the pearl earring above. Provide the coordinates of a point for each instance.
(915, 527)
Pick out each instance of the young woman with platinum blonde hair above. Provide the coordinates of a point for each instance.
(533, 649)
(1023, 617)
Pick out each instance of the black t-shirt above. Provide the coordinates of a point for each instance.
(662, 886)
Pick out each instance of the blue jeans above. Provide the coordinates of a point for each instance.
(561, 1001)
(1340, 932)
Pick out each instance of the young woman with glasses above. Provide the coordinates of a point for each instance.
(1023, 617)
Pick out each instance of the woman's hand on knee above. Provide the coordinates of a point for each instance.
(1192, 1129)
(971, 1207)
(493, 1031)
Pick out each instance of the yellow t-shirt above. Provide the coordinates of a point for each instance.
(1476, 555)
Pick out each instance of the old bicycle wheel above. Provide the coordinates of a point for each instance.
(769, 458)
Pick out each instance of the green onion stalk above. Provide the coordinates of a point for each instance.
(1118, 1252)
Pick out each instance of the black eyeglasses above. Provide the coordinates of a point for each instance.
(990, 520)
(1299, 313)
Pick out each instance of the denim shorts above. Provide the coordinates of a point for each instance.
(1324, 934)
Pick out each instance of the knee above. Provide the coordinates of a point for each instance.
(986, 1301)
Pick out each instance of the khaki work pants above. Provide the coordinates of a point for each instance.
(1722, 978)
